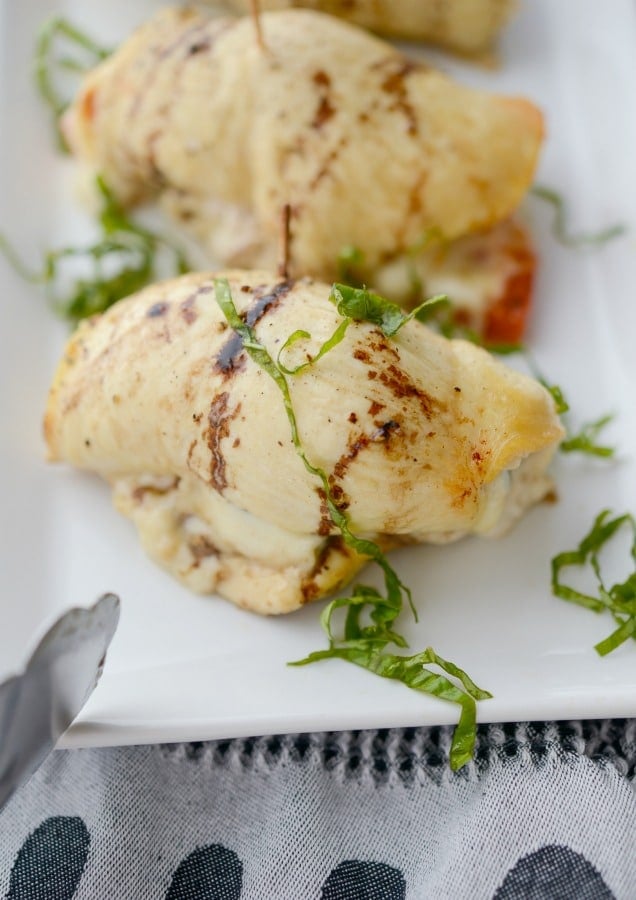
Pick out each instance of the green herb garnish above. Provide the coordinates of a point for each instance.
(365, 306)
(300, 335)
(358, 305)
(559, 223)
(620, 598)
(583, 441)
(364, 643)
(124, 260)
(556, 392)
(56, 38)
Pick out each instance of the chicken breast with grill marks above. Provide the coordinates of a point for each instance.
(372, 150)
(466, 26)
(422, 438)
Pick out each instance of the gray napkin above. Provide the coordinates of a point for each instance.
(545, 811)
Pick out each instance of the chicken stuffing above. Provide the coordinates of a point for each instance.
(422, 439)
(371, 150)
(466, 26)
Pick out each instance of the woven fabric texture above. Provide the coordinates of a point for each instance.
(545, 811)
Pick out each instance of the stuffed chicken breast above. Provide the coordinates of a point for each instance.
(466, 26)
(420, 438)
(371, 150)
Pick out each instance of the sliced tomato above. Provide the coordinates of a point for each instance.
(506, 316)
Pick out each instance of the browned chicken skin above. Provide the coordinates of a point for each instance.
(370, 149)
(422, 439)
(466, 26)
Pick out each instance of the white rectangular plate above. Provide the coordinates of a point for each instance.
(184, 667)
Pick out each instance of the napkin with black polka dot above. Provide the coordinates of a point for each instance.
(544, 811)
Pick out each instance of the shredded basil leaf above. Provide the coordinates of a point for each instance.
(362, 305)
(440, 316)
(50, 63)
(559, 224)
(412, 671)
(619, 599)
(561, 404)
(128, 248)
(395, 589)
(363, 642)
(299, 335)
(585, 440)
